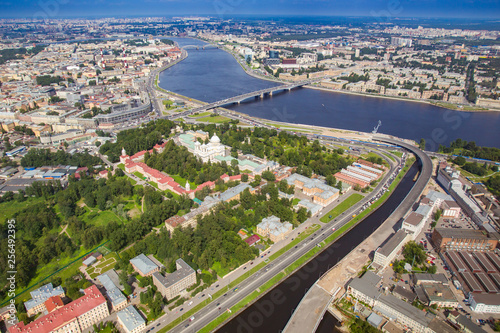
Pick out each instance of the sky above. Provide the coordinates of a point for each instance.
(381, 9)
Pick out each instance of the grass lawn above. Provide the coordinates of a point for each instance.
(389, 156)
(182, 181)
(121, 166)
(138, 174)
(8, 209)
(104, 218)
(342, 207)
(203, 114)
(372, 154)
(214, 120)
(105, 264)
(397, 153)
(295, 201)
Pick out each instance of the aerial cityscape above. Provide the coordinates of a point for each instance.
(260, 166)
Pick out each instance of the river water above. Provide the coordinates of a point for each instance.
(212, 74)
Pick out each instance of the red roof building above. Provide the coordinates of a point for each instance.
(72, 317)
(53, 303)
(252, 240)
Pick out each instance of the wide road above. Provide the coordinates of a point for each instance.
(213, 310)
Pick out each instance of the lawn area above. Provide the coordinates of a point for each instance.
(104, 218)
(138, 174)
(397, 153)
(390, 156)
(182, 181)
(154, 185)
(214, 120)
(203, 114)
(121, 166)
(105, 264)
(372, 154)
(295, 201)
(342, 207)
(8, 209)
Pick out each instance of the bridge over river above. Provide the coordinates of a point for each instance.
(240, 98)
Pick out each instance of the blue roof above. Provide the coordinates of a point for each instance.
(143, 264)
(42, 294)
(115, 295)
(131, 318)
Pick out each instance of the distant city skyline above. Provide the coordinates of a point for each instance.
(378, 9)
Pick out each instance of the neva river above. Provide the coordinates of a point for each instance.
(213, 74)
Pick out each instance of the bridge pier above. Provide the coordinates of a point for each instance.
(270, 93)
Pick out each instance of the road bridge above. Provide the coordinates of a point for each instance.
(240, 98)
(198, 47)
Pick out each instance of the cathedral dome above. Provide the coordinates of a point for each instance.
(215, 139)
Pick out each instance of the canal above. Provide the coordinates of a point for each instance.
(266, 315)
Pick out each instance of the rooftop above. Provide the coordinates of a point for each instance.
(406, 309)
(63, 315)
(274, 225)
(42, 294)
(143, 264)
(367, 284)
(461, 233)
(392, 243)
(131, 318)
(114, 294)
(183, 270)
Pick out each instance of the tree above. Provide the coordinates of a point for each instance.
(244, 177)
(268, 175)
(459, 160)
(414, 252)
(92, 82)
(330, 180)
(421, 145)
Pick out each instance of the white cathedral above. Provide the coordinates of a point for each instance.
(208, 152)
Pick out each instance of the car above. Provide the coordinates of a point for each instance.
(225, 294)
(251, 263)
(244, 268)
(187, 325)
(181, 309)
(192, 318)
(217, 286)
(218, 304)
